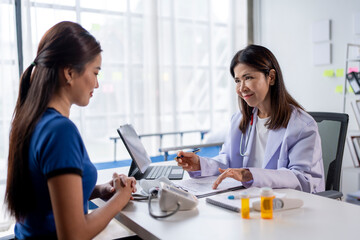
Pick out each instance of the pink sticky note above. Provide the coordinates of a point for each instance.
(353, 69)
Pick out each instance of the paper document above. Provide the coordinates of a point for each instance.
(202, 187)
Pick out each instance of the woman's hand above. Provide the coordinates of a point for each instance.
(123, 186)
(189, 161)
(124, 181)
(240, 174)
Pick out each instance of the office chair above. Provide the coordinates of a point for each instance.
(332, 130)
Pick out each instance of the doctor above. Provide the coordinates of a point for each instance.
(272, 141)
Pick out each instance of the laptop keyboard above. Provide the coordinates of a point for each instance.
(159, 171)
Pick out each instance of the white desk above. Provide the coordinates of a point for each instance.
(319, 218)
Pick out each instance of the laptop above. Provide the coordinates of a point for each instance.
(140, 165)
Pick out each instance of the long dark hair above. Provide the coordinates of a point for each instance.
(264, 60)
(66, 44)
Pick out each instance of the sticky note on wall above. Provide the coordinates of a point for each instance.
(350, 89)
(353, 69)
(339, 89)
(328, 73)
(340, 72)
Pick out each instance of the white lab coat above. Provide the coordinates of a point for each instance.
(293, 156)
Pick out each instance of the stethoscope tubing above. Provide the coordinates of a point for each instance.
(243, 153)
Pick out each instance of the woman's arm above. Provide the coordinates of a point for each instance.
(210, 166)
(67, 202)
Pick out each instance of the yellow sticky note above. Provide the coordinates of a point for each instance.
(328, 73)
(339, 89)
(340, 72)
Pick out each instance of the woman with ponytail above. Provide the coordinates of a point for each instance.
(50, 177)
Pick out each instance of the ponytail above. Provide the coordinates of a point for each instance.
(25, 84)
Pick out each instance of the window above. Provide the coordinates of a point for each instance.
(9, 76)
(165, 65)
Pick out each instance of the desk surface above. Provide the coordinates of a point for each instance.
(319, 218)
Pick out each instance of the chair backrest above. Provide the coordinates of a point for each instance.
(332, 130)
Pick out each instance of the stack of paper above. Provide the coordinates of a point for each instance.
(202, 187)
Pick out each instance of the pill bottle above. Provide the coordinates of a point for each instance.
(266, 203)
(245, 205)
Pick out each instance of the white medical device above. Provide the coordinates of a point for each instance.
(281, 203)
(170, 197)
(147, 185)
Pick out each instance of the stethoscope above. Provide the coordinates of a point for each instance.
(242, 153)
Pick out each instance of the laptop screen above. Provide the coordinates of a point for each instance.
(134, 146)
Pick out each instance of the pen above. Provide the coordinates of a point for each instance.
(223, 205)
(194, 151)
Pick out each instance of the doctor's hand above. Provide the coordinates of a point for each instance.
(240, 174)
(189, 161)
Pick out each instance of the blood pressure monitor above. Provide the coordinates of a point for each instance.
(170, 198)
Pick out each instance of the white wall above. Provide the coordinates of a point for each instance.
(285, 27)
